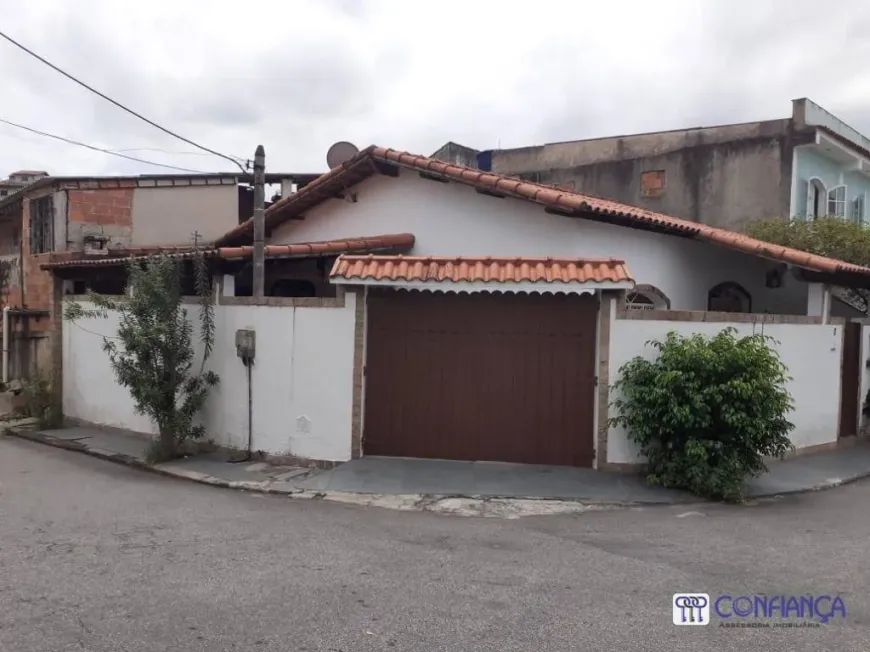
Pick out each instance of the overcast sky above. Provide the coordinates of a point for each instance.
(298, 75)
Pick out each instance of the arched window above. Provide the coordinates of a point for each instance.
(729, 297)
(647, 297)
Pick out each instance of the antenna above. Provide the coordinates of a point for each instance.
(340, 152)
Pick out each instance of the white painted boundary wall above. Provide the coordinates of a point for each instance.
(811, 352)
(303, 368)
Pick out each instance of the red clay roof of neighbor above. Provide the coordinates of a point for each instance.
(372, 160)
(391, 242)
(472, 269)
(403, 241)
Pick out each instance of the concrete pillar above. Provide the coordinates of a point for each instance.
(228, 285)
(819, 301)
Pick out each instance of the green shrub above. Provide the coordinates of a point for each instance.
(707, 411)
(40, 401)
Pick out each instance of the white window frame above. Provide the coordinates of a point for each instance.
(837, 201)
(646, 297)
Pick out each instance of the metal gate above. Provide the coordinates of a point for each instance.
(850, 380)
(501, 377)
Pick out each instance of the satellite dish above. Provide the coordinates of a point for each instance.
(340, 152)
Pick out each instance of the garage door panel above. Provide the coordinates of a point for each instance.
(481, 377)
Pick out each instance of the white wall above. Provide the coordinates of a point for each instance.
(452, 219)
(811, 352)
(303, 368)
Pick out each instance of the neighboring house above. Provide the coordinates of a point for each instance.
(807, 165)
(52, 217)
(18, 180)
(446, 312)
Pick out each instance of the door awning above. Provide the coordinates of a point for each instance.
(483, 274)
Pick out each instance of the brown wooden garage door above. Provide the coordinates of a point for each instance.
(507, 378)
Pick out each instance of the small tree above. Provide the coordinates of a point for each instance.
(706, 411)
(153, 354)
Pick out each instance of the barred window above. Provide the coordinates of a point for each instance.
(42, 225)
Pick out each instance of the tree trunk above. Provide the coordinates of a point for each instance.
(167, 444)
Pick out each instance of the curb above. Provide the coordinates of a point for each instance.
(418, 502)
(422, 500)
(159, 469)
(465, 506)
(824, 486)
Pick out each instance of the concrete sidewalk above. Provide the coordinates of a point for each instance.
(407, 478)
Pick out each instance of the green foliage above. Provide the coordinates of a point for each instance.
(827, 236)
(40, 400)
(153, 354)
(706, 411)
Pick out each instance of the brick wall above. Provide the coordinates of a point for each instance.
(106, 212)
(10, 258)
(107, 207)
(38, 285)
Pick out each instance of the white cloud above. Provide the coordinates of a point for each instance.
(297, 76)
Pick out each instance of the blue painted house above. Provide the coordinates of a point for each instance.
(830, 174)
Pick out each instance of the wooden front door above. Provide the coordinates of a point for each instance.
(850, 382)
(507, 378)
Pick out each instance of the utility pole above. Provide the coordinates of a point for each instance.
(259, 222)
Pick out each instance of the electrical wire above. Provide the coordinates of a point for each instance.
(118, 104)
(173, 152)
(98, 149)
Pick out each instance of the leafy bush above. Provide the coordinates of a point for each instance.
(153, 354)
(707, 411)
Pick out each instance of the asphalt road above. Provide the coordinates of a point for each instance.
(99, 557)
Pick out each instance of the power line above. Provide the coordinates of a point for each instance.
(118, 104)
(98, 149)
(168, 151)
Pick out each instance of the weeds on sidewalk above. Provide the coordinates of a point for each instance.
(40, 400)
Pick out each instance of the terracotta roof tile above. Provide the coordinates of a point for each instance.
(395, 242)
(365, 164)
(487, 270)
(392, 242)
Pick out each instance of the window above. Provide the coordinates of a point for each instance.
(858, 209)
(41, 225)
(647, 297)
(837, 201)
(637, 301)
(729, 297)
